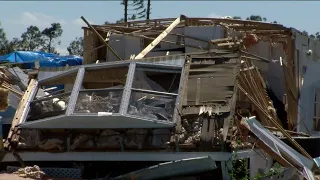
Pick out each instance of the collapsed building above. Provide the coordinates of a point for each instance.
(195, 93)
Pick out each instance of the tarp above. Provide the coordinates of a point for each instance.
(45, 59)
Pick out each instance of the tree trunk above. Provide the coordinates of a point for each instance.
(148, 9)
(125, 10)
(49, 46)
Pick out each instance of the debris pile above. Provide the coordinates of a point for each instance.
(172, 87)
(30, 172)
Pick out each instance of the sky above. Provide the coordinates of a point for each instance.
(16, 16)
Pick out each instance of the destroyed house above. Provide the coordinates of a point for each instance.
(175, 89)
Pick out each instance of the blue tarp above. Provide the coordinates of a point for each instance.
(45, 59)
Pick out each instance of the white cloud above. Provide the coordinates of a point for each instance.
(71, 28)
(38, 19)
(62, 51)
(80, 22)
(213, 15)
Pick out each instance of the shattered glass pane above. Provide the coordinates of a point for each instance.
(152, 106)
(94, 101)
(156, 81)
(48, 107)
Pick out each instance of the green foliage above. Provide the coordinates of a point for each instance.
(315, 36)
(3, 41)
(14, 45)
(107, 22)
(31, 39)
(50, 34)
(135, 10)
(254, 18)
(275, 170)
(120, 21)
(140, 10)
(76, 47)
(239, 169)
(236, 17)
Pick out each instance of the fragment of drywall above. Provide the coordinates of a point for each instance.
(118, 43)
(206, 33)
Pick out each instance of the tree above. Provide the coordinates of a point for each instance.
(138, 7)
(15, 45)
(236, 17)
(305, 33)
(120, 21)
(138, 10)
(32, 39)
(148, 9)
(3, 41)
(107, 22)
(76, 47)
(256, 18)
(317, 35)
(50, 35)
(125, 4)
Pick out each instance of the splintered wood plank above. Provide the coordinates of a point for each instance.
(207, 133)
(22, 107)
(183, 93)
(291, 86)
(101, 38)
(161, 36)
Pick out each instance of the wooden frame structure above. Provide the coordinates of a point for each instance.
(268, 32)
(217, 85)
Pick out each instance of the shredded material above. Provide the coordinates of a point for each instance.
(51, 144)
(4, 93)
(30, 172)
(249, 40)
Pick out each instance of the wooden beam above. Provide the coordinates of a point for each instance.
(236, 21)
(215, 41)
(156, 41)
(279, 127)
(22, 107)
(228, 44)
(151, 38)
(291, 132)
(101, 38)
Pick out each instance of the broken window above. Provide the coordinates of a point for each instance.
(154, 92)
(52, 96)
(156, 79)
(102, 89)
(316, 114)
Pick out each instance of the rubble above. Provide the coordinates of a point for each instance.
(177, 88)
(30, 172)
